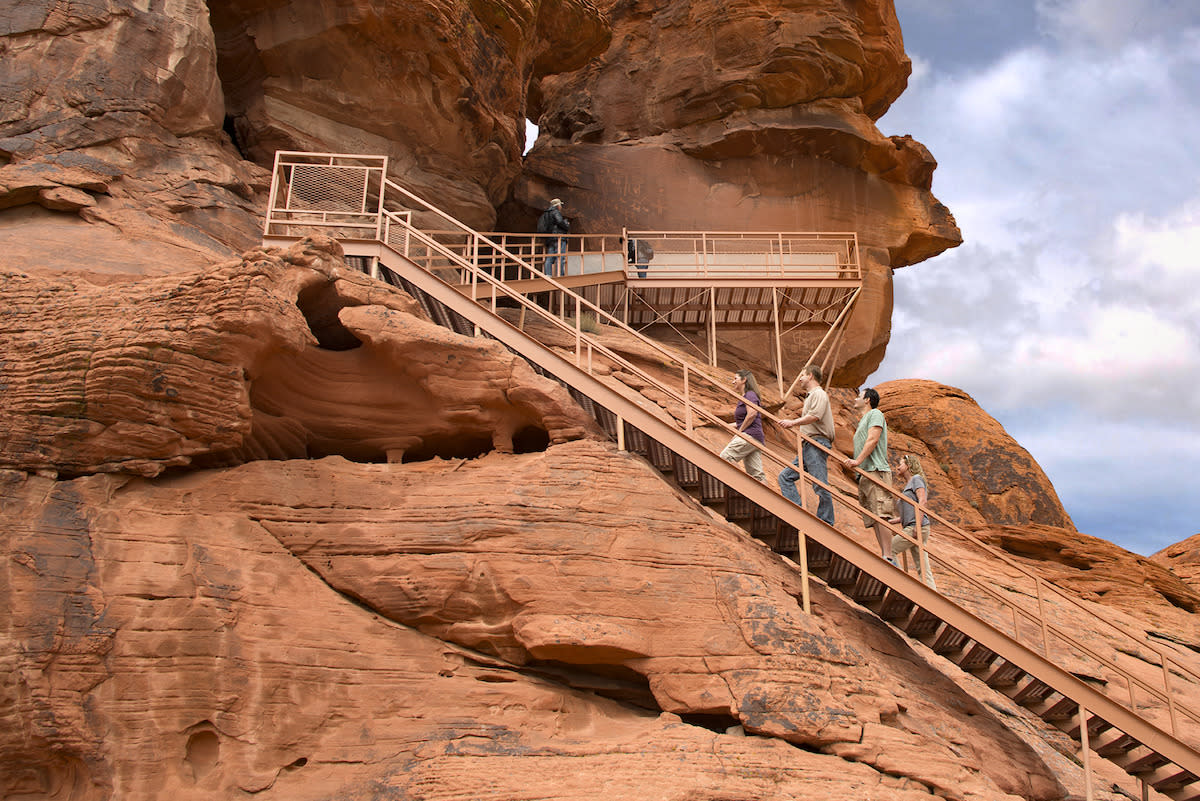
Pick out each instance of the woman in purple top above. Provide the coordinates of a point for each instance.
(749, 425)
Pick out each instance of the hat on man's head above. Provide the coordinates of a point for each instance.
(556, 202)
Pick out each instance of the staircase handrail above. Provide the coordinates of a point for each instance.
(1082, 703)
(403, 221)
(594, 346)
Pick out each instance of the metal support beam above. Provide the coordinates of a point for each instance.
(712, 327)
(778, 342)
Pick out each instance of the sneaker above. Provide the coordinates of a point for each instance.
(892, 561)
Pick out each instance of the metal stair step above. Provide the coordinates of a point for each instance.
(1150, 761)
(977, 657)
(867, 589)
(948, 640)
(1062, 709)
(1173, 778)
(1119, 745)
(1189, 792)
(1032, 692)
(922, 625)
(662, 457)
(687, 475)
(894, 606)
(1005, 674)
(818, 555)
(841, 573)
(1096, 726)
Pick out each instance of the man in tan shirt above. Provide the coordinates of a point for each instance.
(816, 424)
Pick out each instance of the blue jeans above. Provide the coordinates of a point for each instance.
(816, 465)
(555, 245)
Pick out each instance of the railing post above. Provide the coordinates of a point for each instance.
(1085, 752)
(1168, 693)
(578, 332)
(778, 339)
(291, 170)
(620, 433)
(802, 545)
(687, 401)
(1037, 585)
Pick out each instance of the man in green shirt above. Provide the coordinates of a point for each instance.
(870, 453)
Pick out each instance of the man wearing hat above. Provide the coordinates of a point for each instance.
(553, 222)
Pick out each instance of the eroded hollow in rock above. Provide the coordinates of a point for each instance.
(203, 751)
(611, 681)
(531, 439)
(320, 305)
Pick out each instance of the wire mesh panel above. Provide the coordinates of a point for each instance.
(324, 187)
(340, 196)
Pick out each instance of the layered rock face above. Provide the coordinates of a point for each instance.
(439, 87)
(322, 629)
(497, 610)
(267, 530)
(747, 117)
(116, 124)
(274, 356)
(112, 158)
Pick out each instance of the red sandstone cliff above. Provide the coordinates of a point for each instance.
(214, 584)
(515, 612)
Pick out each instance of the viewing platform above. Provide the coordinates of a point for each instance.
(796, 288)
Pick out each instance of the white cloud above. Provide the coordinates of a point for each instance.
(1071, 311)
(1112, 23)
(920, 69)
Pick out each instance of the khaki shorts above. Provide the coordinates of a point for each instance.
(900, 544)
(875, 498)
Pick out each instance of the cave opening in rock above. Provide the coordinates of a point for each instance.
(718, 723)
(242, 73)
(531, 135)
(230, 129)
(616, 682)
(320, 305)
(203, 750)
(531, 439)
(459, 446)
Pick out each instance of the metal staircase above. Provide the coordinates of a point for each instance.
(1010, 640)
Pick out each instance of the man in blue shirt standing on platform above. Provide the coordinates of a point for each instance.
(552, 221)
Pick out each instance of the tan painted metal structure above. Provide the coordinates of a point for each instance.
(1014, 645)
(777, 283)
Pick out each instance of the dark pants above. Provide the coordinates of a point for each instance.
(816, 465)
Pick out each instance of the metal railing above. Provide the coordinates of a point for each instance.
(341, 194)
(1023, 613)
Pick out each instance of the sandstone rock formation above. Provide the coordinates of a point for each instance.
(271, 356)
(112, 157)
(439, 87)
(322, 628)
(1183, 558)
(997, 477)
(267, 530)
(757, 117)
(117, 119)
(210, 661)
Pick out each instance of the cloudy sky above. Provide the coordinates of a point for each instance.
(1067, 134)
